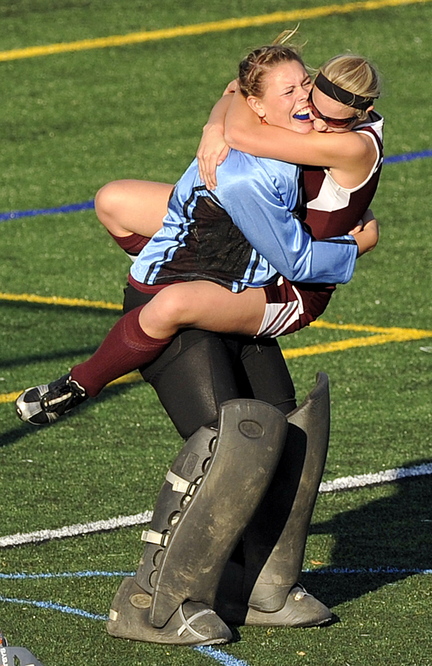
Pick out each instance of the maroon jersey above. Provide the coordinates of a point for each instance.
(333, 210)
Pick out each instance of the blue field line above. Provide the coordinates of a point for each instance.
(65, 574)
(88, 205)
(368, 570)
(114, 574)
(69, 208)
(49, 605)
(408, 157)
(221, 657)
(216, 655)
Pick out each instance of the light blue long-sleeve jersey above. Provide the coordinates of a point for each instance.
(260, 196)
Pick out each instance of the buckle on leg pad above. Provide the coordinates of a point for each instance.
(179, 485)
(150, 536)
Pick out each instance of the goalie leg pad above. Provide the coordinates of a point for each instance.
(207, 499)
(180, 485)
(300, 609)
(197, 529)
(191, 624)
(130, 610)
(265, 591)
(274, 549)
(248, 446)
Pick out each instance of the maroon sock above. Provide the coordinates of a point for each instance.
(132, 244)
(125, 348)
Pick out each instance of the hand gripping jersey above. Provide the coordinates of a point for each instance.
(260, 196)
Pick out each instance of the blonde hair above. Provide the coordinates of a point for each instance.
(354, 74)
(253, 68)
(351, 72)
(257, 63)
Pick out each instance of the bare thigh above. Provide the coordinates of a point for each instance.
(132, 206)
(203, 305)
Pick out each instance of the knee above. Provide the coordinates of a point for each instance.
(167, 311)
(108, 201)
(175, 306)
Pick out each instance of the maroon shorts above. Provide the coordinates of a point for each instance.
(291, 306)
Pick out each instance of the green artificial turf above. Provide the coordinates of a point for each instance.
(72, 122)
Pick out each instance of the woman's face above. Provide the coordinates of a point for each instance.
(285, 99)
(325, 113)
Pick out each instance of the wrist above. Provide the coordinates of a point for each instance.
(213, 127)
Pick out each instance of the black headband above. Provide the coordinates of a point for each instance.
(341, 95)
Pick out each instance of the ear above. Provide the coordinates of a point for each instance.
(370, 108)
(256, 105)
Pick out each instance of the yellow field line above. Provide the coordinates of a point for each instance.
(202, 28)
(58, 300)
(393, 330)
(398, 335)
(380, 335)
(130, 378)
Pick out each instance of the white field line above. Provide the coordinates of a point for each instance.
(343, 483)
(76, 530)
(363, 480)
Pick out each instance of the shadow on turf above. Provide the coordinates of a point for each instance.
(53, 356)
(390, 538)
(76, 314)
(74, 308)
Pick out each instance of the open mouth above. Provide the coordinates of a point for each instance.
(302, 115)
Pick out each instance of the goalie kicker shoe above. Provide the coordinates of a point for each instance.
(44, 404)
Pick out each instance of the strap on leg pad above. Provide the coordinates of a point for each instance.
(181, 483)
(230, 470)
(275, 540)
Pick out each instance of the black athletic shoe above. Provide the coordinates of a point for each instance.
(44, 404)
